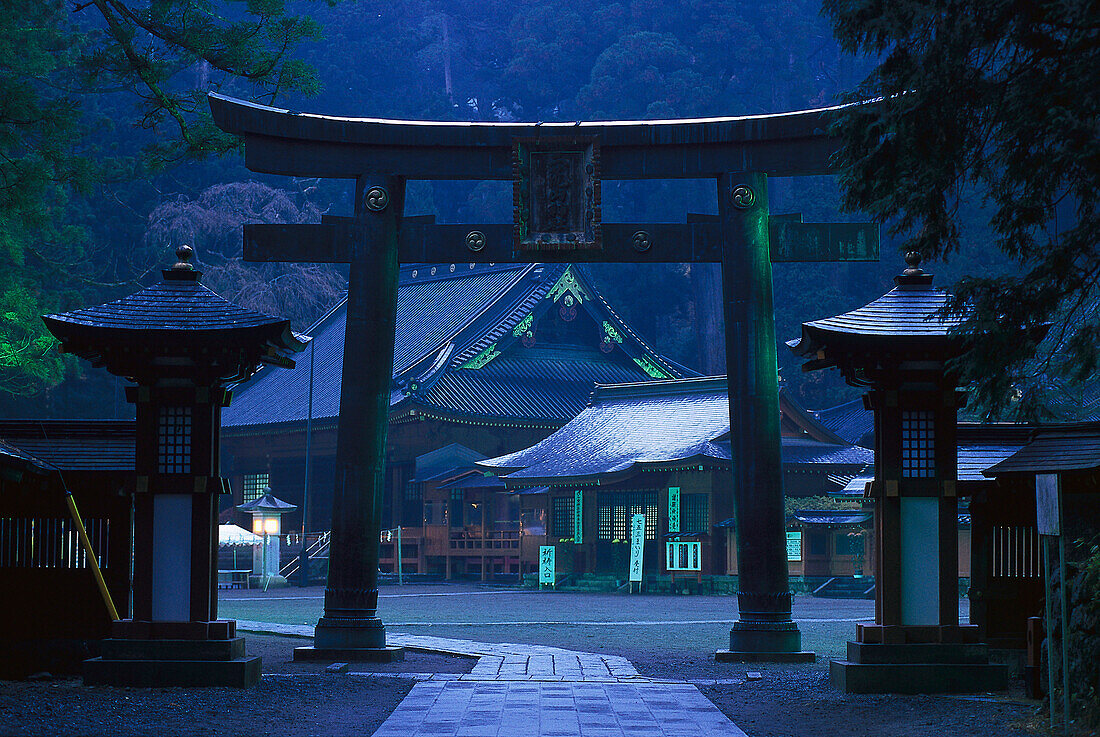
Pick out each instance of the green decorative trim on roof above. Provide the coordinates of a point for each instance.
(651, 368)
(482, 358)
(524, 325)
(610, 334)
(568, 285)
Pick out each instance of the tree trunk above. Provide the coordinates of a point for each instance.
(706, 285)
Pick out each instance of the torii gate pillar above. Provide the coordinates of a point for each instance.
(764, 629)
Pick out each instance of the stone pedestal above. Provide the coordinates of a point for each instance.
(163, 654)
(908, 659)
(757, 642)
(358, 640)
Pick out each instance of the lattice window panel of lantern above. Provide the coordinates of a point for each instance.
(561, 517)
(696, 513)
(616, 509)
(174, 440)
(254, 485)
(918, 444)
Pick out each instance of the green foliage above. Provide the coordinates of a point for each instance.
(792, 504)
(91, 96)
(988, 104)
(1085, 641)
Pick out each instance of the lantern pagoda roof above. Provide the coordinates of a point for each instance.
(908, 319)
(267, 503)
(176, 315)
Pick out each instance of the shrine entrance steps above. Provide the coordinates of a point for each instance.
(846, 587)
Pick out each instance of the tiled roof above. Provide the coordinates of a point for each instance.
(1055, 449)
(907, 315)
(831, 517)
(851, 421)
(74, 445)
(12, 457)
(804, 450)
(657, 424)
(973, 459)
(172, 304)
(448, 315)
(535, 384)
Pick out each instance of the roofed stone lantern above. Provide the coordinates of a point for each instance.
(267, 512)
(898, 348)
(181, 345)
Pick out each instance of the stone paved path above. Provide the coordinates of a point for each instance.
(520, 690)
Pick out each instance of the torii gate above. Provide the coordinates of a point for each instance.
(556, 170)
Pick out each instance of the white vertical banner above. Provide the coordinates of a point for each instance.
(546, 564)
(637, 545)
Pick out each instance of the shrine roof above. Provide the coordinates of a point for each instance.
(74, 445)
(832, 517)
(975, 454)
(807, 451)
(12, 457)
(851, 421)
(1055, 449)
(659, 424)
(534, 388)
(459, 354)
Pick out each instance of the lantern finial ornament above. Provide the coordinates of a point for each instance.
(912, 260)
(184, 254)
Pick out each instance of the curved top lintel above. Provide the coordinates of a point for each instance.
(322, 145)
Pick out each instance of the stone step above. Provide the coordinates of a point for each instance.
(913, 678)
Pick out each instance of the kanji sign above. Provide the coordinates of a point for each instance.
(578, 517)
(546, 564)
(794, 546)
(674, 509)
(637, 545)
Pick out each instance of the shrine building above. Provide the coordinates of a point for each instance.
(662, 449)
(491, 357)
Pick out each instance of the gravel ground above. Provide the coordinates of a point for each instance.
(791, 700)
(292, 698)
(666, 637)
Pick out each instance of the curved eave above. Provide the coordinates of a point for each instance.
(409, 409)
(825, 343)
(611, 477)
(288, 142)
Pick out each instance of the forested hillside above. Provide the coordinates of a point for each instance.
(122, 181)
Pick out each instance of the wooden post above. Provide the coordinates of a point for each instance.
(350, 627)
(764, 600)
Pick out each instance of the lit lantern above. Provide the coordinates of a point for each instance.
(267, 512)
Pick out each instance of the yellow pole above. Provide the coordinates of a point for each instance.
(91, 556)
